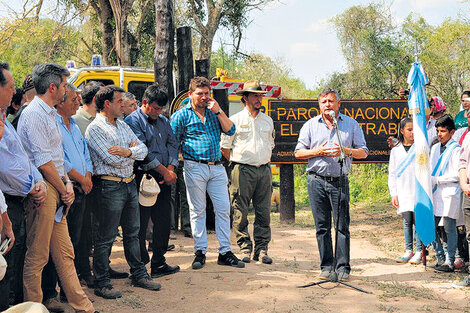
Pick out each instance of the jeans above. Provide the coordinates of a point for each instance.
(12, 283)
(451, 233)
(409, 231)
(323, 198)
(160, 213)
(119, 205)
(200, 178)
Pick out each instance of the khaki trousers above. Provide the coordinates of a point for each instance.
(45, 236)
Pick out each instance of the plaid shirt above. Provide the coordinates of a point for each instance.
(199, 141)
(102, 135)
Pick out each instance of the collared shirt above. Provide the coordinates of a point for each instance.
(431, 131)
(200, 140)
(102, 135)
(17, 174)
(76, 152)
(83, 119)
(40, 135)
(3, 204)
(315, 132)
(253, 141)
(157, 136)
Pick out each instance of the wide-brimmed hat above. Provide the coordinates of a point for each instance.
(3, 266)
(251, 86)
(148, 191)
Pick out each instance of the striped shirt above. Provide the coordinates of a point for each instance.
(102, 135)
(40, 135)
(199, 141)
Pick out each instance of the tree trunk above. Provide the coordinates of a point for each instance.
(105, 16)
(202, 68)
(184, 53)
(286, 190)
(121, 9)
(164, 46)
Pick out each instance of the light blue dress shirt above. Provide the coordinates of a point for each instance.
(17, 174)
(76, 152)
(315, 132)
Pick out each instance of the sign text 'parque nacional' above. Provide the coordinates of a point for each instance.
(378, 118)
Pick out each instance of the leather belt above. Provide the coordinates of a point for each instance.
(206, 162)
(236, 163)
(118, 179)
(329, 179)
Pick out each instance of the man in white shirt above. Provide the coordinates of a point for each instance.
(249, 151)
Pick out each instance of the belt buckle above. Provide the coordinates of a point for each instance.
(211, 163)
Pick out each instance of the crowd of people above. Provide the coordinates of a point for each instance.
(80, 167)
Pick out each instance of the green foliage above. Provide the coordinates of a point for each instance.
(369, 183)
(300, 186)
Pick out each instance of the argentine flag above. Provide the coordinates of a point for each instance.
(418, 104)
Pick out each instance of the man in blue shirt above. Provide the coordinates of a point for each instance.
(318, 144)
(77, 164)
(197, 126)
(19, 179)
(153, 129)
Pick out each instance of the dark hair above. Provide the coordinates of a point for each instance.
(90, 90)
(466, 92)
(446, 121)
(3, 67)
(17, 97)
(107, 93)
(327, 91)
(402, 125)
(199, 82)
(155, 94)
(46, 74)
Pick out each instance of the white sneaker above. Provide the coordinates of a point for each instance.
(416, 259)
(405, 257)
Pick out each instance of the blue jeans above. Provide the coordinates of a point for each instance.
(451, 233)
(200, 178)
(323, 198)
(118, 205)
(409, 231)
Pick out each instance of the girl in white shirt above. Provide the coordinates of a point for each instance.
(401, 183)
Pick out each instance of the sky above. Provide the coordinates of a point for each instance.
(298, 31)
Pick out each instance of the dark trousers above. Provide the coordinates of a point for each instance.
(160, 213)
(12, 283)
(324, 198)
(118, 205)
(180, 206)
(82, 258)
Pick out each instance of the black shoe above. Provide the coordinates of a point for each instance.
(199, 260)
(113, 274)
(188, 234)
(444, 268)
(163, 270)
(246, 258)
(146, 283)
(108, 292)
(265, 259)
(230, 259)
(170, 247)
(87, 280)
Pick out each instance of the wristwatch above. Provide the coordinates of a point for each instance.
(220, 111)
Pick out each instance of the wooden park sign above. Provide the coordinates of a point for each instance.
(378, 118)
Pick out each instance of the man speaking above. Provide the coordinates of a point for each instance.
(318, 143)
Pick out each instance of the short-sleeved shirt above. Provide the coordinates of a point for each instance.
(199, 140)
(315, 132)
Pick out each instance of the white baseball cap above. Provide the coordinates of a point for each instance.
(3, 266)
(148, 191)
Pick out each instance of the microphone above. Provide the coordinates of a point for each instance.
(333, 117)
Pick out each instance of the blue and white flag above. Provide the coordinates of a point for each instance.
(418, 104)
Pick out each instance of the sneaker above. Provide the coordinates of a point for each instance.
(163, 270)
(170, 247)
(54, 305)
(324, 275)
(444, 268)
(146, 283)
(405, 257)
(462, 284)
(417, 258)
(230, 259)
(199, 260)
(343, 276)
(113, 274)
(246, 257)
(108, 292)
(459, 263)
(265, 259)
(436, 263)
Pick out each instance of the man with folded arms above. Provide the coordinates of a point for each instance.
(154, 129)
(249, 152)
(46, 226)
(114, 149)
(197, 127)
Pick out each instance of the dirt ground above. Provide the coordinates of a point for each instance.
(376, 240)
